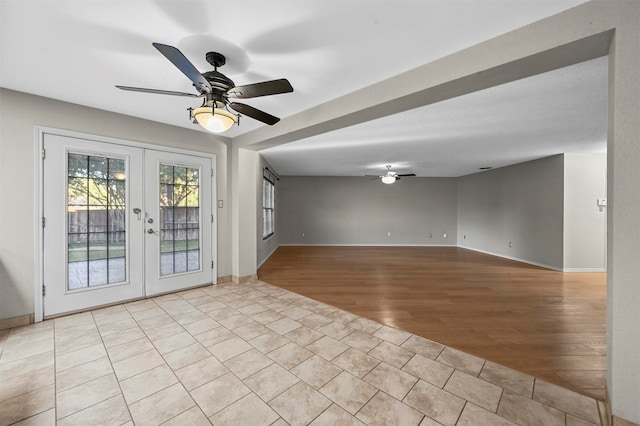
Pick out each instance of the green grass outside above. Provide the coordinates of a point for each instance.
(78, 251)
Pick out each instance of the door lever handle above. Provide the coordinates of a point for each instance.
(137, 211)
(150, 231)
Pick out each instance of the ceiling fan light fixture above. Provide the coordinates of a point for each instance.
(388, 179)
(215, 120)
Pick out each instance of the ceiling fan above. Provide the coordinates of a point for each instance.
(389, 177)
(216, 88)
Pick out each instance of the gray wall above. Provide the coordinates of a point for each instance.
(19, 114)
(585, 224)
(520, 204)
(355, 210)
(545, 208)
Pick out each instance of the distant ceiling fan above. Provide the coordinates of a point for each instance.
(389, 177)
(216, 88)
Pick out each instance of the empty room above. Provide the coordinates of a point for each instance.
(291, 213)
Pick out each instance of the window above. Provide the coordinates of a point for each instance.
(268, 205)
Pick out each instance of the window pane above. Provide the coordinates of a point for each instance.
(98, 193)
(193, 177)
(166, 173)
(116, 245)
(116, 219)
(193, 217)
(77, 191)
(77, 165)
(193, 239)
(166, 246)
(193, 197)
(98, 273)
(116, 193)
(180, 263)
(166, 195)
(98, 167)
(78, 247)
(77, 219)
(97, 221)
(179, 195)
(117, 169)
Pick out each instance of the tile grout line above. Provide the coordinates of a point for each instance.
(111, 365)
(461, 411)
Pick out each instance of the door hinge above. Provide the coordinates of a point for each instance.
(44, 290)
(212, 218)
(212, 173)
(212, 264)
(44, 153)
(44, 221)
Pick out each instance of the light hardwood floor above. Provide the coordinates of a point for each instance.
(548, 324)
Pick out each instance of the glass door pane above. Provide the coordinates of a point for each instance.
(96, 228)
(179, 219)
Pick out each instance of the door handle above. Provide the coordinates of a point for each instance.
(150, 231)
(137, 211)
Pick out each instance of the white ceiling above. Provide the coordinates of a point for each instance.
(76, 51)
(547, 114)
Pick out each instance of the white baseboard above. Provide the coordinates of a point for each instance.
(517, 259)
(584, 270)
(542, 265)
(269, 255)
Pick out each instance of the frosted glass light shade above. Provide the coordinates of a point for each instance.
(388, 179)
(217, 122)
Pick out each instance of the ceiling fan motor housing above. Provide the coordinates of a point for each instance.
(219, 81)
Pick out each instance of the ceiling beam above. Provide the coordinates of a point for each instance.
(562, 40)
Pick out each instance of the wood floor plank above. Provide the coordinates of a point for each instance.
(545, 323)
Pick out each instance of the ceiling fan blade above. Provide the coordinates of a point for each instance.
(272, 87)
(254, 113)
(407, 175)
(373, 176)
(158, 92)
(183, 64)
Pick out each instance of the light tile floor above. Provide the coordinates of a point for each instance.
(254, 354)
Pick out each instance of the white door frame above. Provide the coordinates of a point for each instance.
(40, 132)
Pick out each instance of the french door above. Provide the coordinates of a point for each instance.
(122, 222)
(178, 188)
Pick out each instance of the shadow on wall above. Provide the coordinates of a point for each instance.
(10, 297)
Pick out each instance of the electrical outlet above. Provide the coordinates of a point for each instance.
(444, 235)
(388, 234)
(303, 235)
(510, 244)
